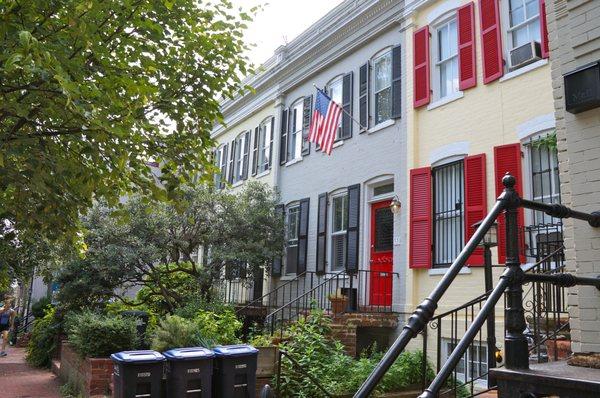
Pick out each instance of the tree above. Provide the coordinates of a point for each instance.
(91, 91)
(152, 245)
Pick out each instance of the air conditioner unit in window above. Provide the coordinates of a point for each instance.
(525, 54)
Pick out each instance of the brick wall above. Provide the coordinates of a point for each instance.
(345, 327)
(574, 31)
(91, 375)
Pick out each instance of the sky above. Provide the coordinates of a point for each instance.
(281, 21)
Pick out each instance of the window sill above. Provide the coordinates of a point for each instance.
(263, 173)
(381, 126)
(287, 277)
(338, 143)
(293, 161)
(523, 70)
(442, 271)
(237, 184)
(446, 100)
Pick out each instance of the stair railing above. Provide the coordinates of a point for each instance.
(510, 284)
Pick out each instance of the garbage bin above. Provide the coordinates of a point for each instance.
(189, 372)
(137, 374)
(235, 371)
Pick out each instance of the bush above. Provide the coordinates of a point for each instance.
(175, 332)
(42, 342)
(220, 328)
(95, 335)
(38, 309)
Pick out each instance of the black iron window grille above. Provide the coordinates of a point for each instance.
(448, 212)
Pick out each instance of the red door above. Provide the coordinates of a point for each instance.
(382, 243)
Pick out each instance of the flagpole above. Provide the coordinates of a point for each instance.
(363, 128)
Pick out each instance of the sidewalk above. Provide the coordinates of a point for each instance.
(19, 380)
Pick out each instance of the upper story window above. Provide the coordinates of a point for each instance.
(524, 22)
(294, 150)
(339, 226)
(335, 89)
(292, 228)
(382, 86)
(448, 212)
(240, 157)
(263, 145)
(446, 58)
(221, 163)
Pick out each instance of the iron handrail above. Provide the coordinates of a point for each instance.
(271, 292)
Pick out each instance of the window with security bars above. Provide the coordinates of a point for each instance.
(472, 365)
(384, 230)
(448, 212)
(339, 225)
(293, 220)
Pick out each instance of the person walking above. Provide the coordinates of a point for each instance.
(7, 322)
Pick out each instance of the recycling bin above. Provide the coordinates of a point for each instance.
(189, 372)
(235, 371)
(137, 374)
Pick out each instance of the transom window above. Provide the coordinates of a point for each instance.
(447, 58)
(239, 158)
(264, 145)
(524, 22)
(448, 212)
(292, 225)
(295, 134)
(334, 90)
(382, 87)
(339, 226)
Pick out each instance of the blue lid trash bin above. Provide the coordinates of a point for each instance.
(235, 371)
(189, 372)
(137, 374)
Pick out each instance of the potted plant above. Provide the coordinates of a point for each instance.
(339, 303)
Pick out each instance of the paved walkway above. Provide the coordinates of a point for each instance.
(19, 380)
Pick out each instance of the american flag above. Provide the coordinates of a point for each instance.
(325, 122)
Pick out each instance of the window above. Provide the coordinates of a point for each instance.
(295, 134)
(383, 189)
(292, 225)
(221, 163)
(448, 212)
(446, 58)
(382, 87)
(473, 363)
(264, 145)
(239, 158)
(334, 90)
(524, 22)
(339, 226)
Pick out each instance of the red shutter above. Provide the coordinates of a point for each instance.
(420, 218)
(491, 42)
(475, 200)
(466, 47)
(422, 91)
(544, 30)
(507, 159)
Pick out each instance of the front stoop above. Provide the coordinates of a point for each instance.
(548, 379)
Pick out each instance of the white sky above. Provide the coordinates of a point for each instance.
(281, 21)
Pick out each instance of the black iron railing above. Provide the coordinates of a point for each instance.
(510, 286)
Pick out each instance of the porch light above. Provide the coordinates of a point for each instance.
(395, 205)
(490, 239)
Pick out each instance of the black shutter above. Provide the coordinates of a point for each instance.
(363, 97)
(245, 155)
(347, 85)
(322, 234)
(396, 82)
(223, 167)
(255, 151)
(284, 136)
(303, 235)
(353, 217)
(271, 134)
(231, 163)
(306, 114)
(278, 260)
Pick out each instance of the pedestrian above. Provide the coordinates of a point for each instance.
(7, 322)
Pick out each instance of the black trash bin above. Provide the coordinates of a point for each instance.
(235, 371)
(189, 372)
(137, 374)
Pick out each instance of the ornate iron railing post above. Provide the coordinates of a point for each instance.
(490, 323)
(517, 353)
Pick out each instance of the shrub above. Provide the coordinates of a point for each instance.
(42, 342)
(174, 332)
(38, 309)
(95, 335)
(221, 328)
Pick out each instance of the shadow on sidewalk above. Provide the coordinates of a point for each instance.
(19, 380)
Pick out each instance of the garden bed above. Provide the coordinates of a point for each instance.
(91, 375)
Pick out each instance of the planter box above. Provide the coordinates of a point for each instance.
(91, 375)
(562, 349)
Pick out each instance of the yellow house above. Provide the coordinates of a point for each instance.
(478, 81)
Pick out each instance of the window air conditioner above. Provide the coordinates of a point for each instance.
(525, 54)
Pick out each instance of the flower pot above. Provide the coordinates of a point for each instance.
(338, 304)
(558, 349)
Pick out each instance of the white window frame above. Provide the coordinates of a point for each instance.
(508, 30)
(461, 377)
(264, 145)
(338, 80)
(386, 52)
(294, 147)
(238, 157)
(291, 240)
(342, 232)
(221, 163)
(435, 54)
